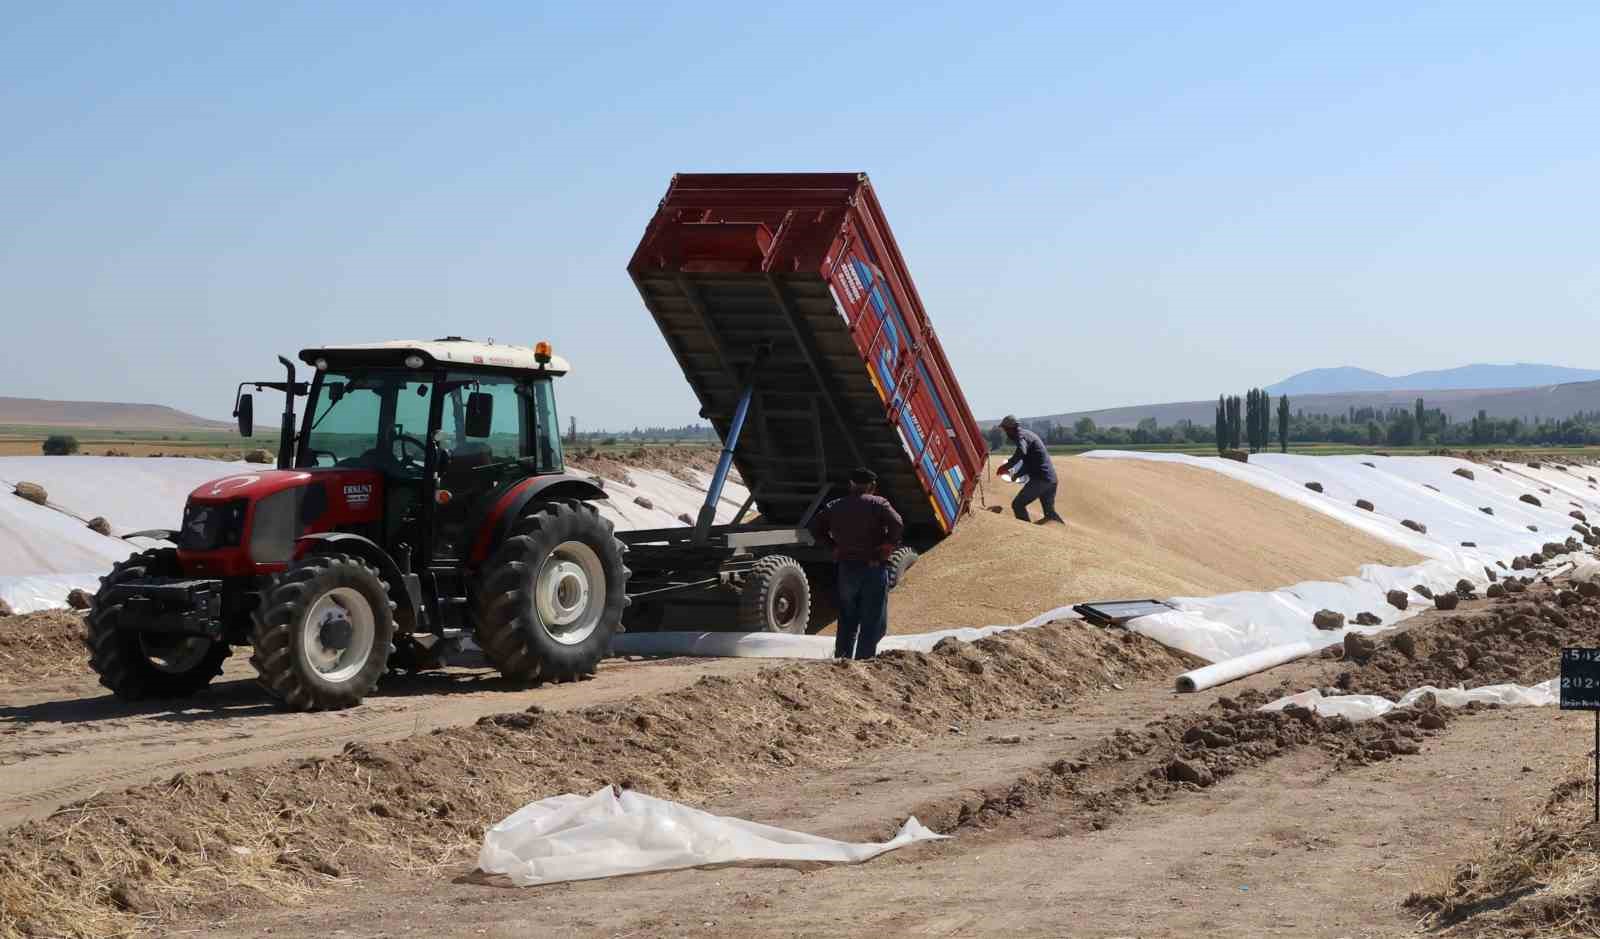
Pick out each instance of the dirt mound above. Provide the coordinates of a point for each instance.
(1193, 751)
(1134, 529)
(213, 842)
(1188, 753)
(1518, 643)
(41, 645)
(1540, 877)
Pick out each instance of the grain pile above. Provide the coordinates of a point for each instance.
(1134, 529)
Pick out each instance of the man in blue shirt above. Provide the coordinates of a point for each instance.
(1032, 461)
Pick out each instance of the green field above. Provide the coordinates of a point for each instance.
(25, 440)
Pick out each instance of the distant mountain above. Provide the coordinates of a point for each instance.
(1551, 401)
(1347, 378)
(108, 415)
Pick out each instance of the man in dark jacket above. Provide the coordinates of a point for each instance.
(863, 529)
(1031, 460)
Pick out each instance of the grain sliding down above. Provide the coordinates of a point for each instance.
(1134, 530)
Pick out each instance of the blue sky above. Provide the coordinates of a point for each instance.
(1101, 204)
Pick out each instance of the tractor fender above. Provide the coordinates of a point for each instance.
(405, 591)
(512, 503)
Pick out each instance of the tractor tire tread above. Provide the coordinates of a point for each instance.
(116, 656)
(272, 634)
(506, 628)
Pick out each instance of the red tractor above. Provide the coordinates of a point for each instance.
(421, 496)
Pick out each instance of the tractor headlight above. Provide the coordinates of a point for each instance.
(414, 361)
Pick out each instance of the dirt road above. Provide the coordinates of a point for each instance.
(1304, 845)
(68, 739)
(1084, 797)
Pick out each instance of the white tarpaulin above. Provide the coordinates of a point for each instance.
(1361, 707)
(574, 837)
(1426, 490)
(47, 551)
(789, 646)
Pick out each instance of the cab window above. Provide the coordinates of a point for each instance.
(507, 431)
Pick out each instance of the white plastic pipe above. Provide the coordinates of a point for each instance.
(1235, 668)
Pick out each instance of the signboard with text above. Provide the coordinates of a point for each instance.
(1580, 679)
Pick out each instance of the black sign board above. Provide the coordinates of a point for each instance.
(1580, 691)
(1580, 679)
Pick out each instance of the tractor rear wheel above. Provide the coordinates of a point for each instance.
(322, 633)
(776, 597)
(136, 665)
(552, 595)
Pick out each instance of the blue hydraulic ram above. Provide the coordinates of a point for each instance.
(708, 512)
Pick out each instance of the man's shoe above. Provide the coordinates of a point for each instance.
(1053, 520)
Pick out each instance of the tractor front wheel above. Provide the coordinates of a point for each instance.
(138, 665)
(322, 633)
(551, 597)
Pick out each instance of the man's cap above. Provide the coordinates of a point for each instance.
(862, 476)
(1007, 421)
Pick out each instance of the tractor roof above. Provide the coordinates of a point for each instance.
(448, 351)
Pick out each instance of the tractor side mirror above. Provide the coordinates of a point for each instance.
(246, 413)
(480, 414)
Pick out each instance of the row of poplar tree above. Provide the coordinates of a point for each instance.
(1249, 419)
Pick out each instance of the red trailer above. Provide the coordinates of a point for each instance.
(792, 314)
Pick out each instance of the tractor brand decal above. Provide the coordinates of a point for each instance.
(232, 482)
(477, 360)
(357, 495)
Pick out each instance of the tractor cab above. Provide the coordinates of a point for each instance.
(419, 495)
(438, 425)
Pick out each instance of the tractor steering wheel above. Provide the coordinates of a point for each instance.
(402, 442)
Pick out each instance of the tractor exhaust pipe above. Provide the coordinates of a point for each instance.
(286, 432)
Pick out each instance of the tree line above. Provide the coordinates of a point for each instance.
(1257, 421)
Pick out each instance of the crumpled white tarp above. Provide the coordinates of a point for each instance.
(1362, 707)
(1232, 625)
(574, 837)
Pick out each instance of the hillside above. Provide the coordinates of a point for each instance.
(109, 415)
(1467, 377)
(1525, 403)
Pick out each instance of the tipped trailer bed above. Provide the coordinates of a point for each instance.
(787, 304)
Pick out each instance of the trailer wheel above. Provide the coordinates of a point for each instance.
(776, 597)
(899, 563)
(552, 595)
(322, 633)
(137, 665)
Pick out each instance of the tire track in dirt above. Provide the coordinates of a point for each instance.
(66, 744)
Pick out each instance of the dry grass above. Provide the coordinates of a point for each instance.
(1134, 529)
(1539, 877)
(37, 646)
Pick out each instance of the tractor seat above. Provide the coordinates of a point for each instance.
(469, 455)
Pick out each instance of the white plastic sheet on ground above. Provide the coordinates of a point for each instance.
(790, 646)
(47, 551)
(1362, 707)
(1226, 627)
(574, 837)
